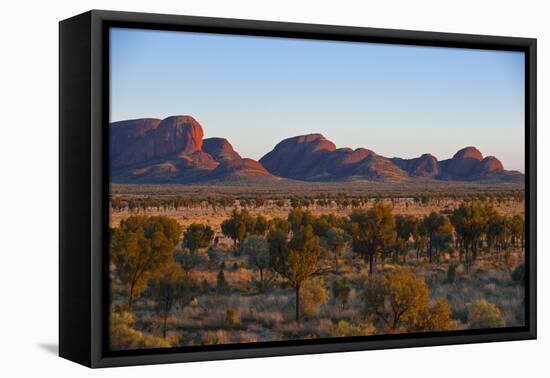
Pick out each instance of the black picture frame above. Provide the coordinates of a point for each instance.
(84, 186)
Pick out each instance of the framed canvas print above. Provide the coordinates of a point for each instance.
(234, 188)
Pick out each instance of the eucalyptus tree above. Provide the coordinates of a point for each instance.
(373, 231)
(295, 258)
(439, 233)
(256, 251)
(337, 241)
(139, 248)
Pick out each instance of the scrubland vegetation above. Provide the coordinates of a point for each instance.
(312, 266)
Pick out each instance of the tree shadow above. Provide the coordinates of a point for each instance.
(52, 348)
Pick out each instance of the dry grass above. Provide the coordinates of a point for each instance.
(269, 316)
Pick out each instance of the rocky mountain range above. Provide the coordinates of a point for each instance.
(173, 150)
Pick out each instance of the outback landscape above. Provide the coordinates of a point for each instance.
(309, 241)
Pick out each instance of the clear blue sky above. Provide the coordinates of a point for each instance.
(255, 91)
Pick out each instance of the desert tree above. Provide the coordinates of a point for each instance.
(295, 259)
(401, 303)
(299, 218)
(197, 236)
(261, 225)
(420, 237)
(234, 229)
(373, 231)
(517, 231)
(439, 233)
(436, 317)
(238, 226)
(337, 241)
(139, 248)
(323, 223)
(256, 251)
(189, 260)
(280, 225)
(167, 226)
(341, 290)
(496, 232)
(405, 228)
(470, 224)
(393, 298)
(432, 222)
(169, 289)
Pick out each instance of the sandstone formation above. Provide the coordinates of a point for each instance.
(313, 157)
(172, 150)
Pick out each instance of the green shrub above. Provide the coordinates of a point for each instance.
(484, 314)
(231, 316)
(312, 295)
(123, 336)
(343, 329)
